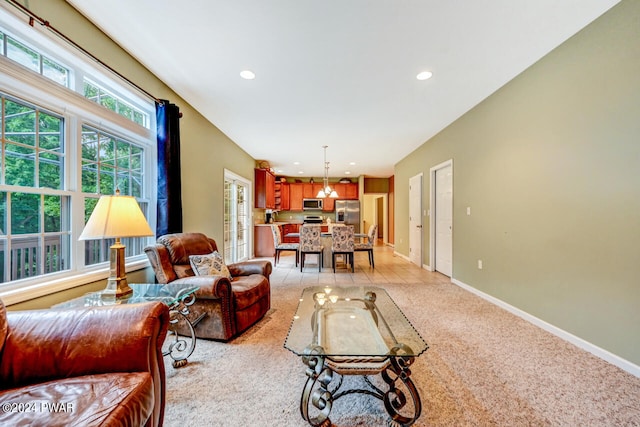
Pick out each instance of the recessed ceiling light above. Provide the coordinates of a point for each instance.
(296, 163)
(424, 75)
(300, 172)
(347, 173)
(352, 163)
(247, 74)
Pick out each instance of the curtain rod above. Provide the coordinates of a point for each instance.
(33, 17)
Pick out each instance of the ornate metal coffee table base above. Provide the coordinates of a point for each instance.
(318, 396)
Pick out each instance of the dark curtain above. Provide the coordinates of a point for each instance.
(169, 219)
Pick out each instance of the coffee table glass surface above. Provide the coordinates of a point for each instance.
(181, 338)
(169, 294)
(352, 321)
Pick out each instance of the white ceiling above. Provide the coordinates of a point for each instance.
(340, 73)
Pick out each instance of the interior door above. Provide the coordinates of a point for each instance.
(237, 219)
(415, 219)
(444, 220)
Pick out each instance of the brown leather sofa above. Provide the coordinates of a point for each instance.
(99, 366)
(229, 306)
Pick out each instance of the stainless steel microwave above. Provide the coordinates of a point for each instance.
(312, 204)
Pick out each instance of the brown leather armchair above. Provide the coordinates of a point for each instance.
(98, 366)
(229, 306)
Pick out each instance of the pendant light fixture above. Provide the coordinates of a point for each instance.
(326, 191)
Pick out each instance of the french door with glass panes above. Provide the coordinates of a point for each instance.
(237, 230)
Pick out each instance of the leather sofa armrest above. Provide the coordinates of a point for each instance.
(251, 267)
(44, 345)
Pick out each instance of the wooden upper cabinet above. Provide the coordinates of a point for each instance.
(285, 199)
(296, 194)
(328, 204)
(347, 191)
(265, 195)
(310, 191)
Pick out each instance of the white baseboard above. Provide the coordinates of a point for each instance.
(404, 257)
(618, 361)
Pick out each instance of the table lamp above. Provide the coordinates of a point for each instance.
(115, 217)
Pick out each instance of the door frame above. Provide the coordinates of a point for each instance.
(432, 204)
(234, 177)
(370, 202)
(420, 242)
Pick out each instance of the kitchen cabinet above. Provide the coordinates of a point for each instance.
(347, 191)
(296, 194)
(265, 196)
(285, 200)
(328, 204)
(263, 241)
(299, 191)
(310, 190)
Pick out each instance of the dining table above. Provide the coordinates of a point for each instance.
(325, 237)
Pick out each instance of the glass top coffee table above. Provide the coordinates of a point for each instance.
(355, 330)
(181, 340)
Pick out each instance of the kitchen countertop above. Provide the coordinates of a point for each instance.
(280, 223)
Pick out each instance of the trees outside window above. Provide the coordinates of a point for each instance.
(69, 132)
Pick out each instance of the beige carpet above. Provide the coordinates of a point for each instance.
(484, 367)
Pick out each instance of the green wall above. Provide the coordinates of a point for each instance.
(205, 150)
(550, 166)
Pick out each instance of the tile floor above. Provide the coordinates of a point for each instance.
(389, 268)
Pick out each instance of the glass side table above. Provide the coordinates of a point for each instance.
(178, 346)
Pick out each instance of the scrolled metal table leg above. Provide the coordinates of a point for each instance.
(395, 399)
(320, 397)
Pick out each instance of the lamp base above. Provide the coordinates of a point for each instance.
(117, 281)
(118, 288)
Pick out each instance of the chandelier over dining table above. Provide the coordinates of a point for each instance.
(326, 190)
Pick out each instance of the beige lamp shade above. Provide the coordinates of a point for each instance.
(114, 217)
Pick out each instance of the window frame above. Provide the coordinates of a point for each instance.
(25, 85)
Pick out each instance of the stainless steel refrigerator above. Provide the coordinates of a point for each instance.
(348, 212)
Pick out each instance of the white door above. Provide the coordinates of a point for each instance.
(415, 219)
(237, 219)
(444, 220)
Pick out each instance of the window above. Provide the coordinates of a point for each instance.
(59, 153)
(30, 58)
(110, 163)
(21, 53)
(35, 231)
(114, 103)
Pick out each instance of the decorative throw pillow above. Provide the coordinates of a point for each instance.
(209, 265)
